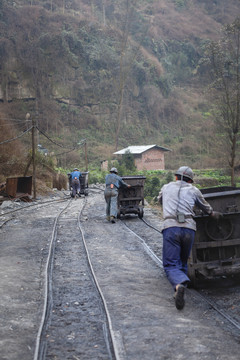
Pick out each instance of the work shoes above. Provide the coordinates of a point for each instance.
(113, 219)
(179, 297)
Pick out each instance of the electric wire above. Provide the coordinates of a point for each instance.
(17, 137)
(65, 152)
(54, 142)
(10, 124)
(149, 225)
(15, 119)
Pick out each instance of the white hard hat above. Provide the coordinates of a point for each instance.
(185, 171)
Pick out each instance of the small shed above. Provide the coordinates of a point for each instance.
(19, 187)
(146, 157)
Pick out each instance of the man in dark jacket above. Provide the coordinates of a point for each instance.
(75, 182)
(113, 183)
(178, 199)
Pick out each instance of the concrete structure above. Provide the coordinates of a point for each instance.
(146, 157)
(104, 165)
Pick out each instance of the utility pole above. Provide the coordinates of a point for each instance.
(86, 159)
(34, 156)
(104, 14)
(85, 150)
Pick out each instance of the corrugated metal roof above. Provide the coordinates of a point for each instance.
(139, 149)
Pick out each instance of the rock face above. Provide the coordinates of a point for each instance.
(66, 60)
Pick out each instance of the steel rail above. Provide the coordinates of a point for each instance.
(40, 348)
(146, 247)
(96, 188)
(47, 287)
(38, 204)
(114, 342)
(220, 311)
(5, 222)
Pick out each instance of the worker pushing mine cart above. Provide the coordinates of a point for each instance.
(131, 200)
(83, 183)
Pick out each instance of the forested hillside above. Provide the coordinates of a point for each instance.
(113, 72)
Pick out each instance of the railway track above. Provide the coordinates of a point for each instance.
(154, 250)
(100, 296)
(63, 267)
(30, 207)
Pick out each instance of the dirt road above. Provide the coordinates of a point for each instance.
(146, 324)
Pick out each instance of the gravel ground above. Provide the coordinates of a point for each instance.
(146, 324)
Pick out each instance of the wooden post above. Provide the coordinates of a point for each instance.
(34, 157)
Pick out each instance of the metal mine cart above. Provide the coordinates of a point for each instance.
(84, 183)
(131, 200)
(216, 249)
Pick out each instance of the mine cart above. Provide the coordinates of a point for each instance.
(131, 200)
(216, 249)
(84, 183)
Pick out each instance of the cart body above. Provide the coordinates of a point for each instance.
(216, 249)
(131, 200)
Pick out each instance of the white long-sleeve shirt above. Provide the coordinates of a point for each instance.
(180, 196)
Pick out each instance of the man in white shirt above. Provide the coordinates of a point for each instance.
(178, 199)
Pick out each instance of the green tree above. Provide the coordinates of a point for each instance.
(128, 161)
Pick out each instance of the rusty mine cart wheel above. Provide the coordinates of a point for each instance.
(219, 230)
(140, 213)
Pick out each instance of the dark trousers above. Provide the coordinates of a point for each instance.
(75, 187)
(111, 197)
(177, 245)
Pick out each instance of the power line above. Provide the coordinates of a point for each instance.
(14, 119)
(65, 152)
(17, 137)
(54, 142)
(18, 123)
(9, 125)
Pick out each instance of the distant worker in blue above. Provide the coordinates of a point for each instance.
(113, 183)
(75, 182)
(178, 199)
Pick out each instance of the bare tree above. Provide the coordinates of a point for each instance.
(224, 57)
(127, 57)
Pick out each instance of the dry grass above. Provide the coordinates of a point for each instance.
(194, 22)
(12, 154)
